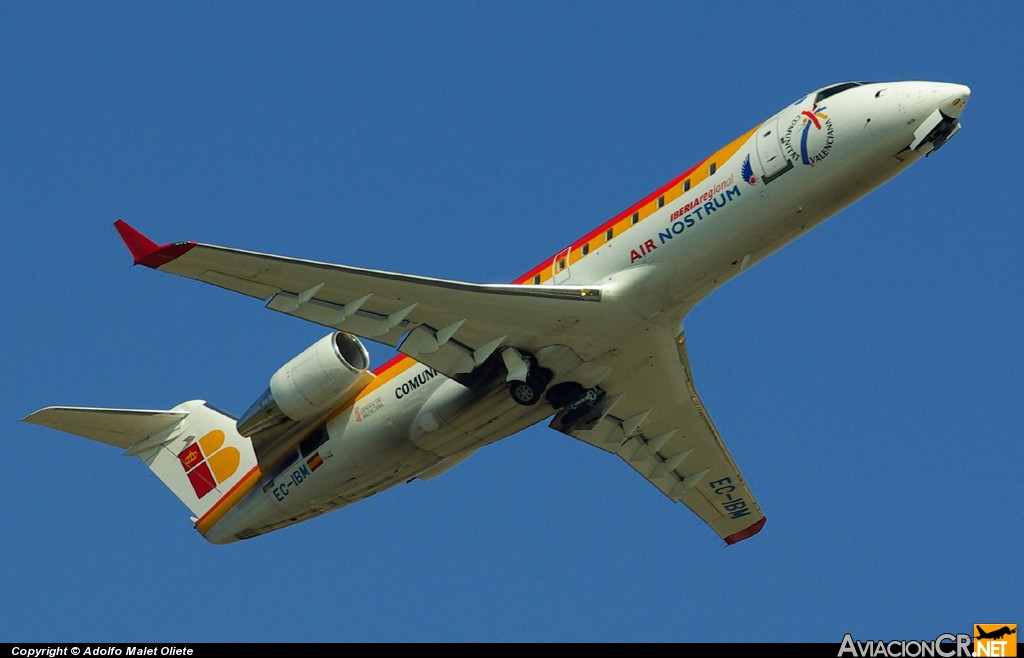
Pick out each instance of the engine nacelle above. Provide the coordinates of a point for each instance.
(323, 376)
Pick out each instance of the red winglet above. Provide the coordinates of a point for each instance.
(145, 251)
(744, 534)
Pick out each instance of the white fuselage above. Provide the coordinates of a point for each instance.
(795, 170)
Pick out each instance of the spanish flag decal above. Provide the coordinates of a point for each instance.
(208, 463)
(314, 461)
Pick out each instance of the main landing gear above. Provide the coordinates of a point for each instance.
(526, 379)
(526, 393)
(527, 382)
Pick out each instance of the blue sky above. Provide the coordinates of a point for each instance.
(866, 378)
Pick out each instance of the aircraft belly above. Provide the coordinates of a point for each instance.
(383, 440)
(456, 419)
(368, 450)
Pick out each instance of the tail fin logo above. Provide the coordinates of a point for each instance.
(207, 462)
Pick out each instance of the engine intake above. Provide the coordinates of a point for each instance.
(323, 376)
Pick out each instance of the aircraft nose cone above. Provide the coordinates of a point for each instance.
(954, 98)
(927, 97)
(934, 109)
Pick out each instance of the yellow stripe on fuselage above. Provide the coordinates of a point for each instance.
(671, 191)
(235, 494)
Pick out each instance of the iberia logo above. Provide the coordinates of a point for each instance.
(747, 171)
(816, 136)
(207, 462)
(995, 640)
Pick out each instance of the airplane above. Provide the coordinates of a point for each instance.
(591, 338)
(996, 634)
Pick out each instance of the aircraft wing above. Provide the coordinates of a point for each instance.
(657, 424)
(452, 326)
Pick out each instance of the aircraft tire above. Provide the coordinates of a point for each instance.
(526, 393)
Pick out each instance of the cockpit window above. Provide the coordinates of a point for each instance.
(835, 89)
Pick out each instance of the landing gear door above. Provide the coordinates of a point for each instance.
(769, 151)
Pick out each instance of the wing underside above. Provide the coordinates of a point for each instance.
(122, 428)
(452, 326)
(657, 424)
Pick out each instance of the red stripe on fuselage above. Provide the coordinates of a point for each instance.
(539, 269)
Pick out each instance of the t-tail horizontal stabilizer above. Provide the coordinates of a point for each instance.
(194, 449)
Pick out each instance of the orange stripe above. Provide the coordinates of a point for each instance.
(221, 507)
(381, 376)
(646, 207)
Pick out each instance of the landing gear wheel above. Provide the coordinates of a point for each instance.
(526, 393)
